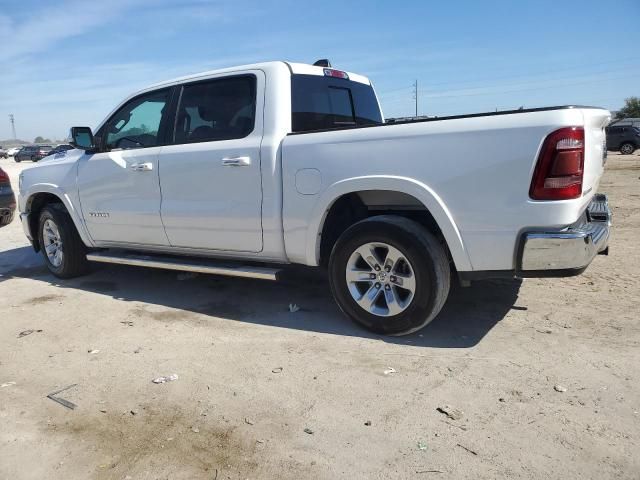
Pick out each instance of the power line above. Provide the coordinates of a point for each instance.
(502, 92)
(527, 75)
(415, 95)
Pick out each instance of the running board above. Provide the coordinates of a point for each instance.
(198, 265)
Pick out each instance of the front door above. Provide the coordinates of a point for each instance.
(210, 172)
(119, 186)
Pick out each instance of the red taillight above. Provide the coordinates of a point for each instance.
(4, 178)
(558, 173)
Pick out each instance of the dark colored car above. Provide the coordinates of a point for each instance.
(60, 148)
(624, 138)
(32, 152)
(7, 200)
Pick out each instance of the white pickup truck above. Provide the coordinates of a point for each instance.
(243, 170)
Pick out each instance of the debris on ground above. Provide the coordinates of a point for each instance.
(186, 276)
(367, 423)
(170, 378)
(277, 370)
(195, 429)
(248, 421)
(62, 401)
(133, 412)
(93, 352)
(560, 388)
(24, 333)
(422, 446)
(451, 412)
(429, 471)
(293, 308)
(467, 449)
(544, 330)
(8, 384)
(137, 350)
(128, 323)
(309, 431)
(389, 370)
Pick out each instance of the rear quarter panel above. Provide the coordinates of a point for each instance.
(477, 170)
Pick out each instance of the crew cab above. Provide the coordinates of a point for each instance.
(242, 170)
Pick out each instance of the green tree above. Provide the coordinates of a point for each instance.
(631, 108)
(40, 139)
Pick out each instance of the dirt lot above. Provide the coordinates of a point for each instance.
(253, 376)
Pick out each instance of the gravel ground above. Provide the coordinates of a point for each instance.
(544, 373)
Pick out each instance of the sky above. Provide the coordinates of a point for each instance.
(70, 62)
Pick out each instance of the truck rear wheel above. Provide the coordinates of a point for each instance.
(389, 274)
(61, 246)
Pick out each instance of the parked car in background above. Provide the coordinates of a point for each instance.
(28, 152)
(3, 152)
(32, 152)
(63, 147)
(625, 138)
(7, 199)
(43, 151)
(13, 150)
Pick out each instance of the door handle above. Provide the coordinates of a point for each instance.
(141, 167)
(236, 162)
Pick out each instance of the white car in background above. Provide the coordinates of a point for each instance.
(13, 150)
(277, 163)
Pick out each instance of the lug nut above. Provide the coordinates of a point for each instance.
(372, 275)
(387, 287)
(387, 268)
(377, 285)
(393, 278)
(377, 268)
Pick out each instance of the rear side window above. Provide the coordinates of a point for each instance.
(221, 109)
(320, 103)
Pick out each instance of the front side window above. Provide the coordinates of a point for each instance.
(137, 124)
(221, 109)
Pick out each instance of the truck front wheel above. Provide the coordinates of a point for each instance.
(61, 246)
(389, 274)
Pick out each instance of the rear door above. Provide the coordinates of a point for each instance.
(119, 186)
(210, 174)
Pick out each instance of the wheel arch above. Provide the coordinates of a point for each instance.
(424, 199)
(45, 195)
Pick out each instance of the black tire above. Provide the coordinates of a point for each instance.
(425, 254)
(16, 159)
(74, 260)
(627, 148)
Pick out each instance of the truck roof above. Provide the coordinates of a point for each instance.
(295, 68)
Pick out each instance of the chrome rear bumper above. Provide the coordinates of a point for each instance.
(568, 251)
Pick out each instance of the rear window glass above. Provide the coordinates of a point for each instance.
(320, 103)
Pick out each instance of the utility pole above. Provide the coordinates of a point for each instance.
(13, 126)
(415, 95)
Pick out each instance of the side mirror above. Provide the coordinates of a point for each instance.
(82, 138)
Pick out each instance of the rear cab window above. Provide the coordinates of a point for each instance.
(325, 102)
